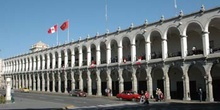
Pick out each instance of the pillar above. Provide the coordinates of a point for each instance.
(121, 80)
(205, 41)
(166, 82)
(134, 79)
(73, 85)
(186, 86)
(164, 49)
(133, 53)
(184, 51)
(148, 51)
(120, 54)
(89, 83)
(99, 85)
(208, 82)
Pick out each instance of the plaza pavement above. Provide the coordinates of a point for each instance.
(23, 103)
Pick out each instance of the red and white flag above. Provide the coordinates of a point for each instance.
(65, 25)
(52, 29)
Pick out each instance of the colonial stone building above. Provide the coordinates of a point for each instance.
(177, 55)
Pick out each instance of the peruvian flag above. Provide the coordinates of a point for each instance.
(65, 25)
(52, 29)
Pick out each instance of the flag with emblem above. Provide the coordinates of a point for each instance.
(52, 30)
(65, 25)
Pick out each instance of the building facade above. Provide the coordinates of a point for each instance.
(177, 55)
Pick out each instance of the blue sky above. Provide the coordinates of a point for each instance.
(25, 22)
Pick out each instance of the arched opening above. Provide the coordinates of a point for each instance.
(156, 49)
(215, 81)
(214, 32)
(194, 33)
(126, 49)
(103, 52)
(197, 81)
(173, 38)
(176, 82)
(114, 51)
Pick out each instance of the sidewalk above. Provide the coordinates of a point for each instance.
(23, 103)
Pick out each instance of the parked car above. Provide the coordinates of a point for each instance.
(26, 90)
(128, 95)
(78, 93)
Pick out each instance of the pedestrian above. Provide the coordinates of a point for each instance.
(147, 95)
(142, 99)
(12, 95)
(200, 94)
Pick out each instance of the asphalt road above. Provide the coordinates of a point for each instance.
(66, 100)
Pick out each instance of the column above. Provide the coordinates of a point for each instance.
(30, 81)
(73, 59)
(186, 86)
(30, 64)
(134, 79)
(53, 81)
(14, 81)
(88, 56)
(80, 80)
(26, 80)
(43, 62)
(48, 61)
(34, 65)
(59, 82)
(65, 59)
(53, 61)
(148, 51)
(48, 81)
(164, 49)
(208, 82)
(120, 54)
(80, 57)
(166, 82)
(149, 81)
(59, 60)
(43, 81)
(72, 80)
(22, 80)
(89, 83)
(19, 81)
(108, 55)
(38, 81)
(133, 52)
(121, 80)
(65, 82)
(38, 62)
(16, 85)
(205, 41)
(184, 51)
(98, 55)
(98, 79)
(34, 82)
(109, 80)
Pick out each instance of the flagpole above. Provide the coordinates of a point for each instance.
(68, 32)
(57, 34)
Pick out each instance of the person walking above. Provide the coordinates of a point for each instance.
(12, 95)
(200, 94)
(147, 95)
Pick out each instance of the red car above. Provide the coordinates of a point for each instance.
(128, 95)
(78, 93)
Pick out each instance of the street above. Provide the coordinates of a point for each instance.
(37, 100)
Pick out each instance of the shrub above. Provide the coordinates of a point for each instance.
(2, 99)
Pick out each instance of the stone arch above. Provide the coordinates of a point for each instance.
(214, 32)
(115, 81)
(93, 52)
(103, 52)
(175, 74)
(84, 55)
(140, 46)
(196, 75)
(156, 47)
(141, 75)
(126, 48)
(215, 80)
(173, 38)
(157, 75)
(114, 51)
